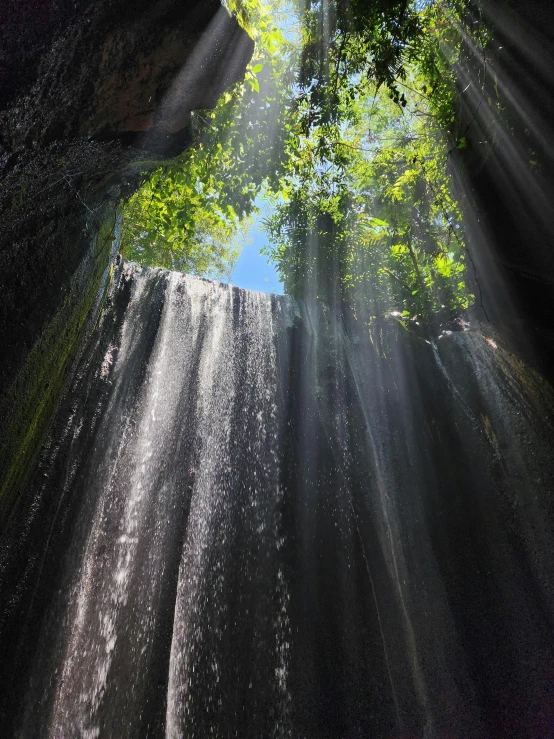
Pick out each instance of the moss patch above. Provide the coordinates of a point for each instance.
(31, 401)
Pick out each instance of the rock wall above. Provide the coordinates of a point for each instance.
(96, 94)
(507, 107)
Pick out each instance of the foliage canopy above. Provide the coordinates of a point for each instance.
(347, 129)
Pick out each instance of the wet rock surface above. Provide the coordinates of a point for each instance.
(98, 93)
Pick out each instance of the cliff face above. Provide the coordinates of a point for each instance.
(93, 94)
(509, 157)
(102, 69)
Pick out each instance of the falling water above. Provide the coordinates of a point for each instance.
(251, 521)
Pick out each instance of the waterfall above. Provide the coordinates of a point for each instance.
(250, 520)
